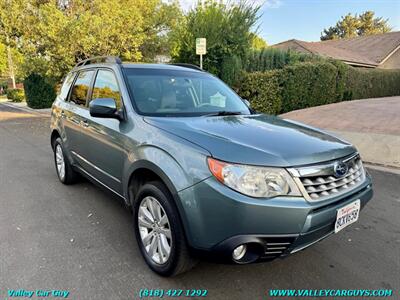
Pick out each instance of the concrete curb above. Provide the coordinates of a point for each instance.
(22, 106)
(386, 169)
(377, 149)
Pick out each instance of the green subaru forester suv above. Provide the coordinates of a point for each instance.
(201, 171)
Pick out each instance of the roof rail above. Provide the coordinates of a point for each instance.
(189, 66)
(97, 59)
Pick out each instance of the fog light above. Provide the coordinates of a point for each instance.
(239, 252)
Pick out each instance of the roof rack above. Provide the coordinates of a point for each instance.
(97, 59)
(189, 66)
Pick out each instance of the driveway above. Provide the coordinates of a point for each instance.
(79, 238)
(373, 125)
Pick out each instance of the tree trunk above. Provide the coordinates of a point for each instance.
(10, 64)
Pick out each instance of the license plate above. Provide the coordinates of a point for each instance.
(347, 215)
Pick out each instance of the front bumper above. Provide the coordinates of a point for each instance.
(218, 219)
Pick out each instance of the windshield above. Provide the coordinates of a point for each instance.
(181, 93)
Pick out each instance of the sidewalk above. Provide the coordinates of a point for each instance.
(23, 106)
(372, 125)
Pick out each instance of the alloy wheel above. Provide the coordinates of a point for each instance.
(60, 162)
(155, 230)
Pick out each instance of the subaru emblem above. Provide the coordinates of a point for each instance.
(340, 169)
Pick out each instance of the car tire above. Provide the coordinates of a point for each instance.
(65, 172)
(179, 259)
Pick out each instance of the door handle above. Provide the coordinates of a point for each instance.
(84, 123)
(63, 114)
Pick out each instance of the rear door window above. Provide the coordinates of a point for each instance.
(66, 86)
(81, 87)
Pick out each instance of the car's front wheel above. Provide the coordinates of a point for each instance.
(159, 231)
(64, 169)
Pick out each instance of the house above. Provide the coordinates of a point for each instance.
(372, 51)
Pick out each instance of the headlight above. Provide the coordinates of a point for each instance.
(259, 182)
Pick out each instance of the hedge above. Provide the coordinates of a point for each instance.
(272, 58)
(315, 83)
(262, 90)
(40, 91)
(362, 83)
(16, 95)
(308, 84)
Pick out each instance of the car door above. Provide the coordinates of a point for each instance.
(73, 111)
(104, 139)
(60, 109)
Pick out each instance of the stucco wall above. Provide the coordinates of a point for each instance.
(393, 62)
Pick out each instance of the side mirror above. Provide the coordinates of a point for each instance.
(247, 102)
(104, 108)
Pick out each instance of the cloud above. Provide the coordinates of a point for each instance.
(273, 3)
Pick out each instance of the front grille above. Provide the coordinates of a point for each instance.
(276, 246)
(321, 183)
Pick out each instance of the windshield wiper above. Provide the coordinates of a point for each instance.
(224, 113)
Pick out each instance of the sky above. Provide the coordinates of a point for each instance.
(282, 20)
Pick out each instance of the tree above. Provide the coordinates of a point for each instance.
(10, 31)
(3, 59)
(258, 43)
(357, 25)
(53, 35)
(227, 29)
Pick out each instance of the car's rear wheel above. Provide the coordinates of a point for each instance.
(65, 172)
(159, 231)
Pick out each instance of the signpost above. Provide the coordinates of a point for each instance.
(201, 49)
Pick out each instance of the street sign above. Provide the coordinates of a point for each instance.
(201, 49)
(201, 46)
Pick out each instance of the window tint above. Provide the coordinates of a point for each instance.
(106, 86)
(81, 88)
(66, 85)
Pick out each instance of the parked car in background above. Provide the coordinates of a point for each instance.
(201, 171)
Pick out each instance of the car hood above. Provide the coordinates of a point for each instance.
(256, 139)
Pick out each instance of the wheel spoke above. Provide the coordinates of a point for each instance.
(164, 220)
(153, 246)
(144, 223)
(164, 245)
(160, 249)
(146, 240)
(151, 205)
(146, 214)
(166, 232)
(157, 211)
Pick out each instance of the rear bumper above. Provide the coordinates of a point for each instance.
(219, 219)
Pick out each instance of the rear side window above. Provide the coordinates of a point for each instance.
(66, 86)
(81, 88)
(106, 86)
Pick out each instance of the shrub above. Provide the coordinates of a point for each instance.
(231, 69)
(272, 58)
(227, 27)
(262, 90)
(40, 91)
(365, 83)
(16, 95)
(308, 84)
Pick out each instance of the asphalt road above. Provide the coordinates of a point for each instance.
(79, 238)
